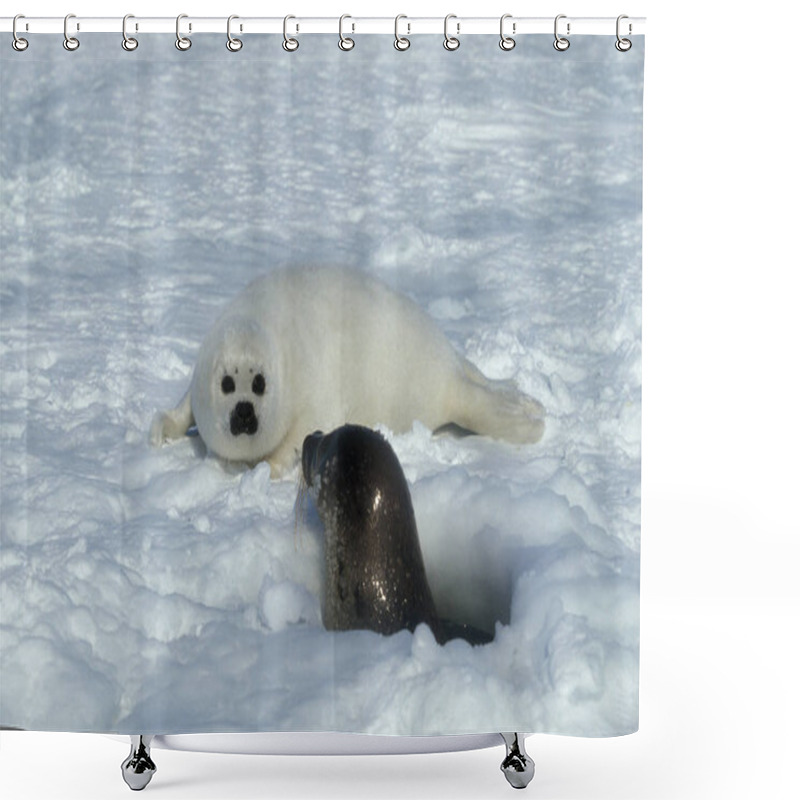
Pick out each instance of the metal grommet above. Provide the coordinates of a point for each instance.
(128, 42)
(233, 44)
(289, 44)
(451, 42)
(181, 42)
(623, 45)
(345, 42)
(507, 42)
(70, 42)
(400, 42)
(561, 43)
(18, 43)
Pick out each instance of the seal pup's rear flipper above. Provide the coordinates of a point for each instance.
(496, 408)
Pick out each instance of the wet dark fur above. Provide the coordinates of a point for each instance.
(374, 572)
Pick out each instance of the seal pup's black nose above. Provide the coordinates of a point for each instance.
(244, 419)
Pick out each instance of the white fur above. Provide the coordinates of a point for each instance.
(334, 346)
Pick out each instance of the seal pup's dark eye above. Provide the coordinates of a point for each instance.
(228, 385)
(259, 384)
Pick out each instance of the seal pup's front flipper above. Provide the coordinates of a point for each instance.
(172, 424)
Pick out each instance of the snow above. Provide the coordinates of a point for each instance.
(166, 591)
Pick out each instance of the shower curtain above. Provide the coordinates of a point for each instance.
(161, 584)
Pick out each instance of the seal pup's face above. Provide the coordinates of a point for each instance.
(233, 391)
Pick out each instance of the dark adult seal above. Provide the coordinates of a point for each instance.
(374, 573)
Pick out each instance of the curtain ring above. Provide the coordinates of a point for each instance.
(289, 44)
(507, 42)
(18, 43)
(623, 45)
(181, 42)
(345, 42)
(400, 42)
(128, 42)
(233, 44)
(561, 43)
(451, 42)
(70, 42)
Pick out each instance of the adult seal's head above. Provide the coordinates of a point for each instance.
(374, 573)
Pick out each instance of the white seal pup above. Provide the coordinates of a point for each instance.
(311, 348)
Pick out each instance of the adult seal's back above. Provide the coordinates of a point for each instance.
(312, 348)
(374, 573)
